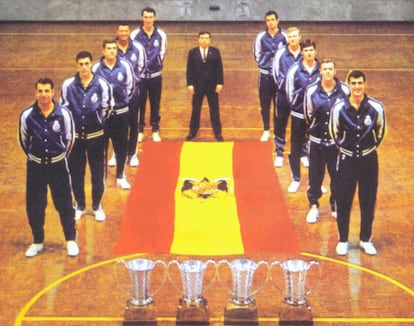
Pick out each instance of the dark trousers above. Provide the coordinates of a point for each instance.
(297, 141)
(280, 120)
(150, 88)
(321, 158)
(133, 124)
(57, 177)
(213, 103)
(364, 172)
(93, 151)
(267, 95)
(116, 129)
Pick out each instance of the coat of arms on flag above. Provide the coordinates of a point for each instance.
(206, 198)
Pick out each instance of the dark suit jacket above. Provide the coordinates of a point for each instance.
(204, 76)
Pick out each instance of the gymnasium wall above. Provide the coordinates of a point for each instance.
(207, 10)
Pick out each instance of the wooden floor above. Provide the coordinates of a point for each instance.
(53, 289)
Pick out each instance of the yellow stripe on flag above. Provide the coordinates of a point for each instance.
(206, 226)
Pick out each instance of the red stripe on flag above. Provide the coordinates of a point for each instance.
(264, 219)
(152, 201)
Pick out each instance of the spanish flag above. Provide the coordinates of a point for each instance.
(207, 199)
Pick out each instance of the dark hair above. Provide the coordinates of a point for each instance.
(83, 54)
(204, 32)
(355, 74)
(45, 81)
(148, 9)
(122, 24)
(108, 41)
(272, 12)
(307, 43)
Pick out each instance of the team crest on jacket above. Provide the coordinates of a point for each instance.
(367, 120)
(134, 57)
(56, 126)
(156, 43)
(94, 98)
(120, 76)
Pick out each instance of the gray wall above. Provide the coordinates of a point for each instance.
(207, 10)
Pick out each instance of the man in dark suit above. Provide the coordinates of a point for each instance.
(205, 78)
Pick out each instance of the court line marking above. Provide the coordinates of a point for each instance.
(364, 269)
(21, 317)
(221, 319)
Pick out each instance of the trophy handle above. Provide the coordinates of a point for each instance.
(173, 262)
(314, 262)
(117, 278)
(210, 261)
(165, 275)
(271, 276)
(262, 262)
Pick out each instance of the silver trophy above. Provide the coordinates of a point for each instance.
(242, 271)
(295, 273)
(242, 305)
(192, 305)
(140, 305)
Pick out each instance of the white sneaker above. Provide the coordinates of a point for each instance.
(156, 136)
(294, 186)
(99, 215)
(313, 214)
(278, 161)
(34, 249)
(123, 183)
(368, 247)
(112, 161)
(140, 137)
(305, 161)
(324, 190)
(342, 248)
(134, 161)
(265, 135)
(78, 214)
(72, 248)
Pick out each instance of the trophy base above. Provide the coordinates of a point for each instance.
(295, 315)
(139, 315)
(192, 313)
(235, 314)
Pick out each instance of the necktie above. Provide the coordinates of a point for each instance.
(204, 55)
